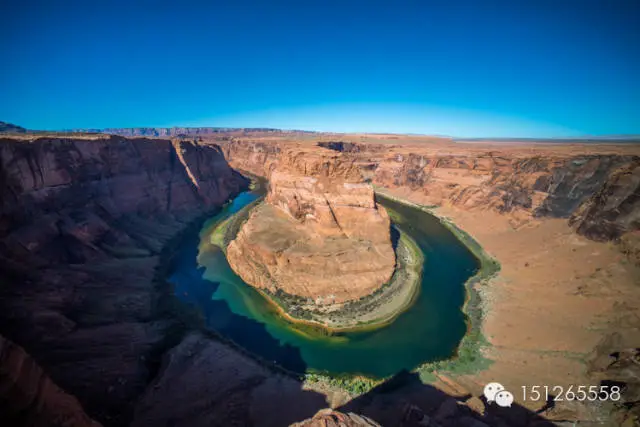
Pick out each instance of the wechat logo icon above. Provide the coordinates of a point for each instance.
(490, 391)
(495, 392)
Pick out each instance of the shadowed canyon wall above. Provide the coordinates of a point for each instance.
(29, 397)
(73, 201)
(82, 226)
(85, 224)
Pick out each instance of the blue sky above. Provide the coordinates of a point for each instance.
(464, 68)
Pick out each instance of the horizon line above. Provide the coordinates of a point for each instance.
(257, 128)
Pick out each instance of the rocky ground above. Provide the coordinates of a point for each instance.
(562, 220)
(91, 333)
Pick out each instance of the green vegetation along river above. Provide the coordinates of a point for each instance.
(431, 329)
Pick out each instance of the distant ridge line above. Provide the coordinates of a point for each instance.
(178, 130)
(6, 127)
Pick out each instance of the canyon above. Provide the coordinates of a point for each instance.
(561, 219)
(85, 225)
(88, 222)
(522, 182)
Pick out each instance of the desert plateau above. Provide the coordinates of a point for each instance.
(320, 213)
(103, 321)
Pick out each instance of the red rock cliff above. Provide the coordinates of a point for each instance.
(320, 234)
(523, 183)
(82, 225)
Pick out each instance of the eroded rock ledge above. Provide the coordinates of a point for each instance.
(320, 235)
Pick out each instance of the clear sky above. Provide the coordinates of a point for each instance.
(463, 68)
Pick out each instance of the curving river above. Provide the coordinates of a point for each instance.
(429, 330)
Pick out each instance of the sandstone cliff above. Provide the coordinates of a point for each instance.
(595, 186)
(320, 235)
(614, 209)
(331, 418)
(82, 226)
(327, 193)
(598, 193)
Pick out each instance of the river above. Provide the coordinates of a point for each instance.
(429, 330)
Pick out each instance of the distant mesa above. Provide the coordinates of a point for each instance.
(156, 132)
(11, 128)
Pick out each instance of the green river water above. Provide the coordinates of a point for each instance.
(431, 329)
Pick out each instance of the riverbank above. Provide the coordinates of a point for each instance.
(368, 313)
(469, 356)
(227, 229)
(341, 360)
(557, 295)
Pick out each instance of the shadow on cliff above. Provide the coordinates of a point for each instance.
(252, 398)
(192, 288)
(404, 400)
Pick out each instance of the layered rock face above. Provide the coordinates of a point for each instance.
(320, 234)
(328, 194)
(615, 208)
(599, 194)
(597, 188)
(552, 186)
(82, 226)
(72, 201)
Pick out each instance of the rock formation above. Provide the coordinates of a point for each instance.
(86, 224)
(595, 187)
(613, 210)
(82, 227)
(29, 397)
(616, 362)
(203, 382)
(320, 234)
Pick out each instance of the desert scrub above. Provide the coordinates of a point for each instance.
(228, 229)
(352, 385)
(469, 357)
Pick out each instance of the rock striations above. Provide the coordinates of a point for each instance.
(86, 223)
(597, 188)
(82, 226)
(320, 234)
